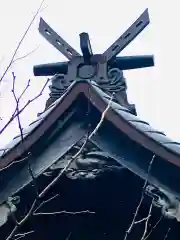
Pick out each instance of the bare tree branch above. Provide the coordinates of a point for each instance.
(15, 114)
(22, 235)
(166, 236)
(73, 158)
(63, 212)
(20, 127)
(102, 117)
(44, 202)
(69, 235)
(24, 56)
(19, 224)
(146, 223)
(141, 200)
(142, 220)
(21, 41)
(154, 227)
(17, 104)
(34, 182)
(31, 212)
(14, 162)
(22, 140)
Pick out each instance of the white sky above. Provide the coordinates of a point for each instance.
(155, 91)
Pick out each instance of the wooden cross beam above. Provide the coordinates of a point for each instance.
(109, 57)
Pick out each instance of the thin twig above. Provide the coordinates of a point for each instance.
(20, 126)
(25, 89)
(73, 158)
(63, 212)
(21, 40)
(22, 235)
(21, 129)
(25, 55)
(142, 220)
(154, 227)
(102, 117)
(12, 214)
(135, 215)
(141, 200)
(69, 235)
(14, 162)
(19, 224)
(146, 223)
(14, 115)
(47, 188)
(44, 202)
(34, 182)
(166, 236)
(22, 140)
(17, 105)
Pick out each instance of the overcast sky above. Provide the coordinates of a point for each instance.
(155, 91)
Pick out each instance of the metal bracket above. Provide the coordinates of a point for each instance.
(59, 43)
(128, 36)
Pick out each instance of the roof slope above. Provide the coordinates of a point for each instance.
(165, 172)
(137, 129)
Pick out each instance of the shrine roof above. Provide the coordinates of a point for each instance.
(131, 125)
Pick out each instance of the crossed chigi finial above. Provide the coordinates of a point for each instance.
(89, 65)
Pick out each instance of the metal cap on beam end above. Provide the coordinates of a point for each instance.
(85, 46)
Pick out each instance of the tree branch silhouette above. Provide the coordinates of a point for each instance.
(21, 41)
(34, 207)
(17, 111)
(133, 223)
